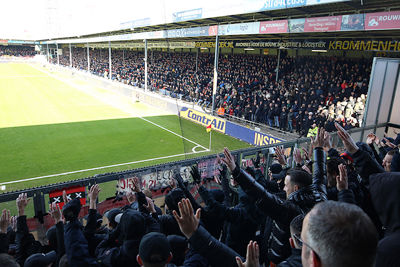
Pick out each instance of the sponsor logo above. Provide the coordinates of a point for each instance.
(217, 124)
(261, 139)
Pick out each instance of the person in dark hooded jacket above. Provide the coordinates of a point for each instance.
(131, 228)
(303, 193)
(385, 194)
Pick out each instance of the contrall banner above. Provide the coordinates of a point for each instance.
(72, 193)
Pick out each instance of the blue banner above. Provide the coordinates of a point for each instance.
(187, 15)
(250, 136)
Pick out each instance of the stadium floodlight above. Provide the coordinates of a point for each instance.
(320, 51)
(249, 49)
(203, 48)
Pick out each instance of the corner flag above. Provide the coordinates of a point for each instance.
(208, 128)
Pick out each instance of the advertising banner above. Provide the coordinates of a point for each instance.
(72, 193)
(213, 30)
(3, 41)
(222, 44)
(250, 136)
(273, 4)
(342, 44)
(323, 24)
(382, 20)
(276, 26)
(187, 32)
(353, 22)
(319, 44)
(217, 123)
(365, 45)
(187, 15)
(296, 25)
(239, 28)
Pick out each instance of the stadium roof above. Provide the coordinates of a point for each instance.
(339, 8)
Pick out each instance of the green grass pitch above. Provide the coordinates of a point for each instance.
(48, 126)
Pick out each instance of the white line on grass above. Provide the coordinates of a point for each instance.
(116, 106)
(99, 168)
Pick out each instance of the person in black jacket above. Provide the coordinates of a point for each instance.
(302, 195)
(386, 202)
(384, 197)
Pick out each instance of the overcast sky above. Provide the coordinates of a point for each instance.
(42, 19)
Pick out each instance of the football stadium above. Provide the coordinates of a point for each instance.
(230, 133)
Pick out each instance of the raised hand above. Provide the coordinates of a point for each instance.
(341, 179)
(194, 172)
(55, 212)
(150, 205)
(389, 144)
(93, 195)
(172, 183)
(297, 156)
(319, 140)
(14, 223)
(348, 142)
(252, 256)
(228, 160)
(327, 141)
(22, 202)
(305, 153)
(136, 185)
(65, 198)
(187, 221)
(280, 155)
(131, 197)
(371, 138)
(5, 221)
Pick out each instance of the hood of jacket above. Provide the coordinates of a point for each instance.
(385, 195)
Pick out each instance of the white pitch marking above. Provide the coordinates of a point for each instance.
(116, 106)
(99, 168)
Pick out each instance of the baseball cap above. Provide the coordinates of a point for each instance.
(275, 168)
(111, 215)
(41, 259)
(154, 248)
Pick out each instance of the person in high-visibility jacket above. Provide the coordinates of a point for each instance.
(221, 111)
(313, 130)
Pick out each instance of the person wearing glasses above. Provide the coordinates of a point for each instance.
(338, 234)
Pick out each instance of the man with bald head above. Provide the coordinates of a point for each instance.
(338, 234)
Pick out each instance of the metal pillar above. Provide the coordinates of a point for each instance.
(58, 56)
(277, 66)
(88, 58)
(109, 60)
(145, 65)
(216, 55)
(197, 58)
(123, 54)
(47, 50)
(70, 55)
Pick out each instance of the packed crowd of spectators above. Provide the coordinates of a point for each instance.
(17, 51)
(309, 92)
(331, 209)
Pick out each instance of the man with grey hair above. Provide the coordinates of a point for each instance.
(338, 234)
